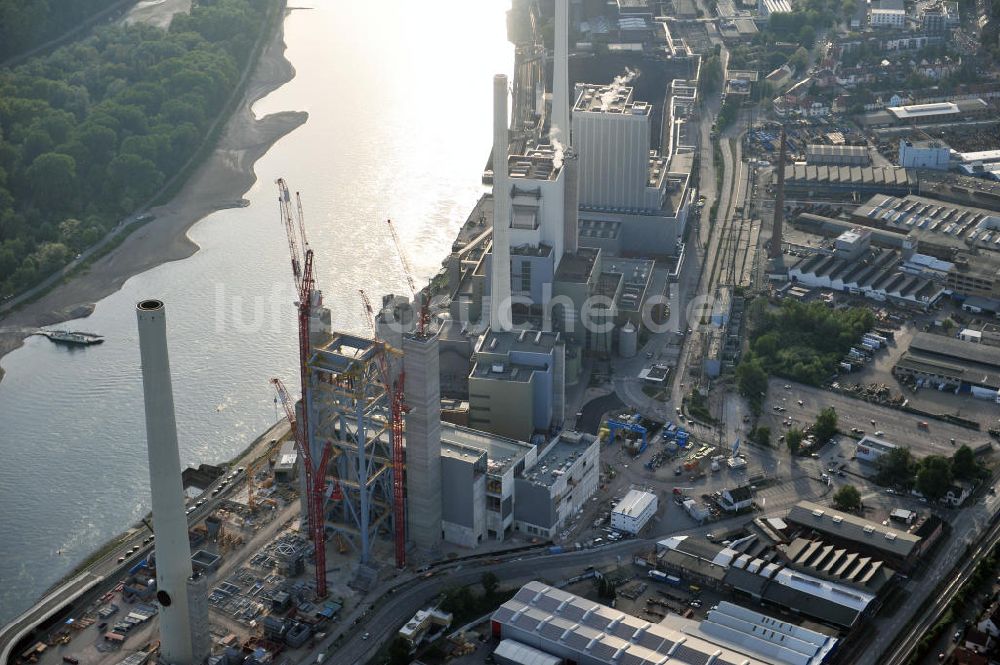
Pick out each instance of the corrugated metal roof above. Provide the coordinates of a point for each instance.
(517, 652)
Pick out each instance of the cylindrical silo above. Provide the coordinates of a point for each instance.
(628, 341)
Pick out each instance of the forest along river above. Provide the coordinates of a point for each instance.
(399, 126)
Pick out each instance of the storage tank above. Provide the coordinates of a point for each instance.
(628, 341)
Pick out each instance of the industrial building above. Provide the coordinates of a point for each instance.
(925, 114)
(937, 360)
(898, 548)
(564, 477)
(286, 466)
(517, 383)
(927, 154)
(870, 449)
(838, 155)
(856, 267)
(634, 511)
(812, 181)
(573, 628)
(940, 228)
(493, 486)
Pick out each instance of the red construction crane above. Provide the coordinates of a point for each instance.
(305, 283)
(423, 316)
(396, 409)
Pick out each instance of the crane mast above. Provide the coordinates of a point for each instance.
(395, 390)
(302, 274)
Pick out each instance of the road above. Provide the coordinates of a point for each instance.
(897, 426)
(973, 524)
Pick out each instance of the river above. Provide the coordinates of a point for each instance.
(399, 102)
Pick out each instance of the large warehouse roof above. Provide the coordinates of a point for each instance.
(554, 620)
(956, 349)
(765, 635)
(516, 652)
(853, 528)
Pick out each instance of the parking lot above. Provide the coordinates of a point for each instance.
(803, 403)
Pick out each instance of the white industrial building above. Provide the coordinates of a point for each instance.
(512, 652)
(587, 633)
(932, 154)
(869, 449)
(634, 511)
(541, 620)
(767, 7)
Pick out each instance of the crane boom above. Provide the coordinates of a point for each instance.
(302, 274)
(423, 315)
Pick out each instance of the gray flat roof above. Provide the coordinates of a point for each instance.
(853, 528)
(607, 635)
(559, 457)
(956, 350)
(502, 452)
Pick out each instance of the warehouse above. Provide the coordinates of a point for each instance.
(633, 512)
(838, 155)
(587, 633)
(847, 181)
(926, 114)
(938, 360)
(897, 548)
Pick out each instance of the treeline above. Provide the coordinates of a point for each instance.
(92, 130)
(803, 342)
(25, 24)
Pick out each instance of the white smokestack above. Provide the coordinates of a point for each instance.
(559, 124)
(500, 314)
(173, 554)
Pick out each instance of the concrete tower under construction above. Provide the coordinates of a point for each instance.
(500, 303)
(423, 439)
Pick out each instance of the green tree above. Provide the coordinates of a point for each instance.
(964, 465)
(934, 477)
(458, 600)
(826, 425)
(490, 583)
(794, 440)
(399, 651)
(711, 75)
(761, 435)
(847, 498)
(799, 60)
(896, 467)
(751, 380)
(52, 179)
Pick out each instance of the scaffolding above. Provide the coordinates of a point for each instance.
(350, 410)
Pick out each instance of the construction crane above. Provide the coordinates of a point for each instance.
(302, 273)
(394, 389)
(423, 315)
(314, 485)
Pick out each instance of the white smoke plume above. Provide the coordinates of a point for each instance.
(557, 146)
(622, 80)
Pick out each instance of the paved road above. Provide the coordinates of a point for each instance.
(898, 426)
(969, 526)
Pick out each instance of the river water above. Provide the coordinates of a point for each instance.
(399, 102)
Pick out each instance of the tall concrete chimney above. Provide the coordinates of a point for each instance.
(173, 553)
(559, 123)
(500, 314)
(571, 201)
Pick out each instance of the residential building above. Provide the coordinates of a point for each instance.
(737, 499)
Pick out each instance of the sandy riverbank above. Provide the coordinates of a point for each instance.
(217, 184)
